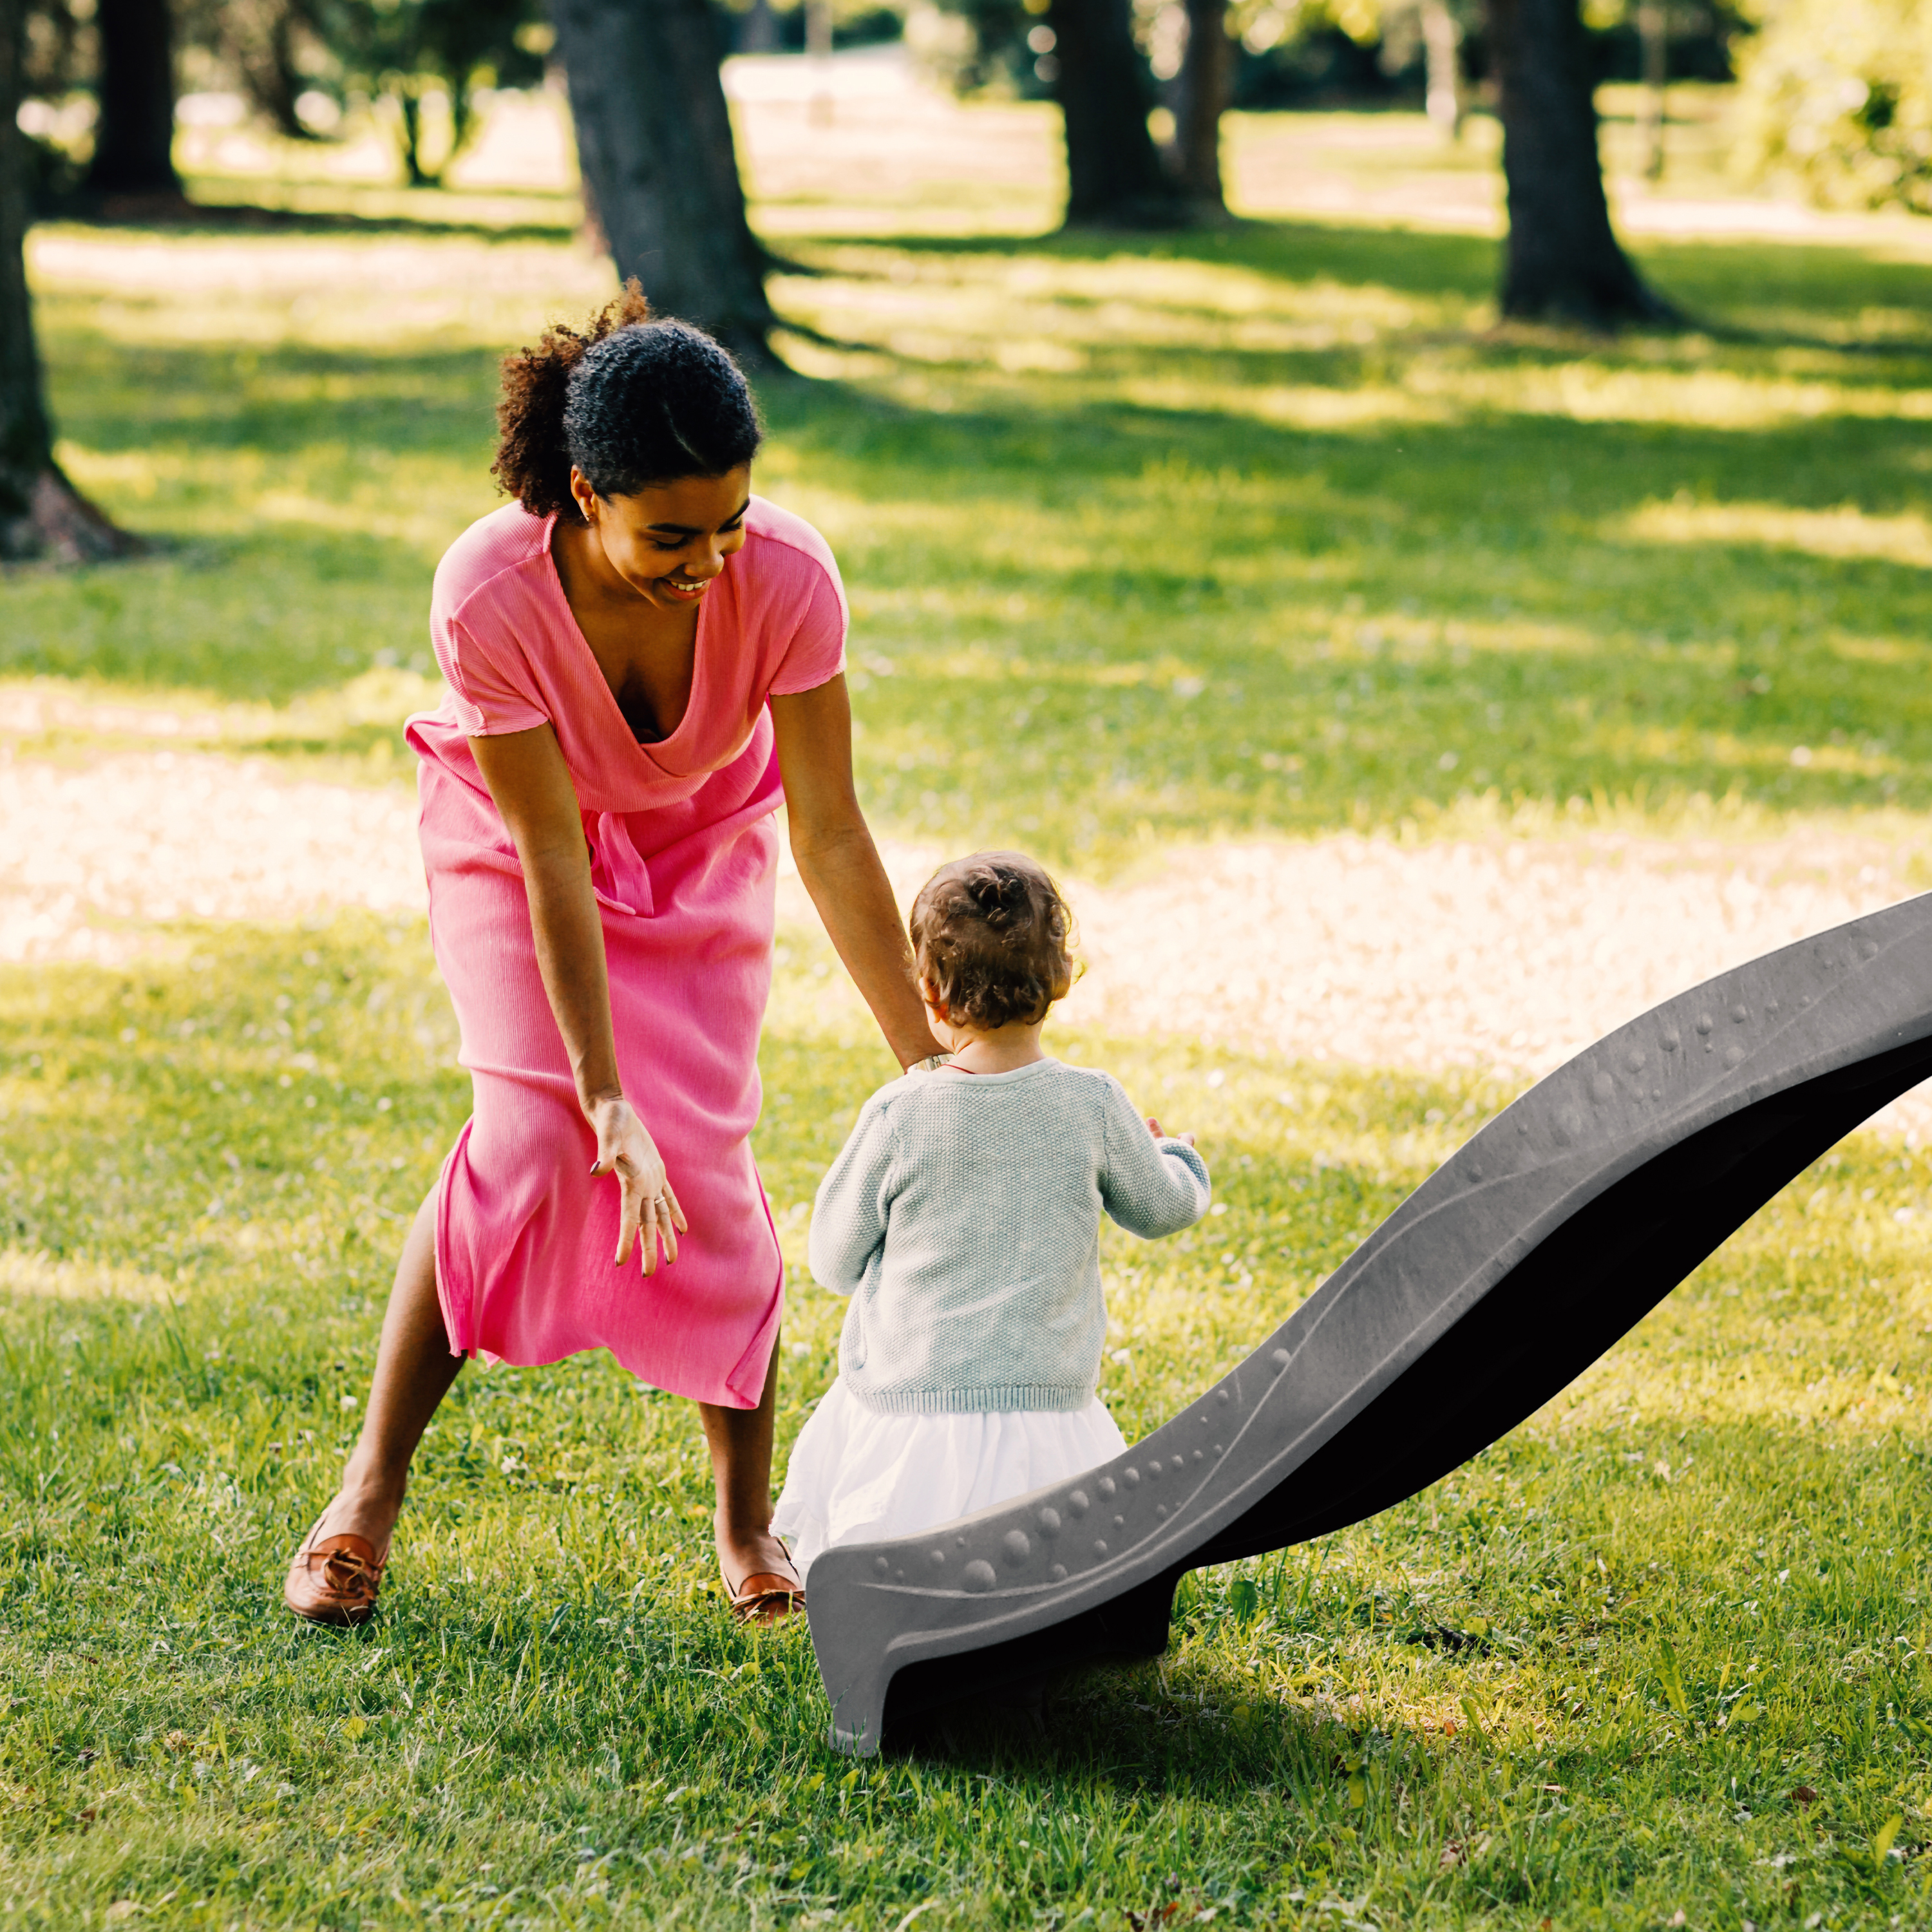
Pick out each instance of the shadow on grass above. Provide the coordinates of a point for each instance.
(1722, 283)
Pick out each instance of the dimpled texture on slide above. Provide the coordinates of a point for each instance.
(1506, 1274)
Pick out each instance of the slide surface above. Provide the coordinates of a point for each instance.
(1502, 1278)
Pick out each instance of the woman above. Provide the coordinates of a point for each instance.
(642, 659)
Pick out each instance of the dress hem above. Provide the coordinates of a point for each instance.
(462, 1333)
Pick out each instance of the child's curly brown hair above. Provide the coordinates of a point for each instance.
(628, 399)
(991, 936)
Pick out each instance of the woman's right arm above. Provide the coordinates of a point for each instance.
(528, 778)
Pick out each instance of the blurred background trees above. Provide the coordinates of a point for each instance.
(41, 513)
(403, 52)
(660, 168)
(134, 148)
(1837, 96)
(1836, 100)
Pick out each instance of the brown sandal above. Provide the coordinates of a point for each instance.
(766, 1597)
(334, 1580)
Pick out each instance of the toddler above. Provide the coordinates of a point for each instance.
(963, 1218)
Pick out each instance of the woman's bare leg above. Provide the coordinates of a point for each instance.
(414, 1369)
(740, 1441)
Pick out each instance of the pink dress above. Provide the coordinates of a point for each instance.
(684, 850)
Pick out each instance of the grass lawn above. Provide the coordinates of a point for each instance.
(1268, 532)
(1580, 1680)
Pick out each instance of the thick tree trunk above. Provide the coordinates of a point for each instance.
(40, 512)
(1114, 178)
(134, 149)
(654, 143)
(1201, 89)
(1563, 262)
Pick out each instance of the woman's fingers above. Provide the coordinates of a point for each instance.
(648, 1230)
(630, 1208)
(648, 1210)
(677, 1211)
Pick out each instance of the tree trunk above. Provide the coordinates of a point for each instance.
(1653, 33)
(1442, 54)
(261, 42)
(1562, 263)
(1202, 86)
(40, 512)
(134, 149)
(654, 143)
(409, 136)
(1114, 178)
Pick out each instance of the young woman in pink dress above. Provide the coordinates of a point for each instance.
(643, 660)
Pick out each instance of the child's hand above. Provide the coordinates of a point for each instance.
(1160, 1133)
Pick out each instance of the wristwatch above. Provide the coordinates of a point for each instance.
(931, 1063)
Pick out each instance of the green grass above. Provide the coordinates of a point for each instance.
(1264, 532)
(1261, 531)
(1579, 1681)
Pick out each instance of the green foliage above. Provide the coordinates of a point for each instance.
(1838, 95)
(400, 50)
(1667, 1647)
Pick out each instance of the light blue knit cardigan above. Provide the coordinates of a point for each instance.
(963, 1218)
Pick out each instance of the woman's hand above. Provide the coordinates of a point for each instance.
(647, 1205)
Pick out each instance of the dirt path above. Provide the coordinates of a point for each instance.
(1508, 955)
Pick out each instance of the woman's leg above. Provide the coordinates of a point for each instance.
(740, 1441)
(414, 1369)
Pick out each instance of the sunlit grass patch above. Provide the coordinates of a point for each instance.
(1846, 531)
(1581, 1678)
(1258, 532)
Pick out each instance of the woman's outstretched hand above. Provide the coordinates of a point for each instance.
(648, 1205)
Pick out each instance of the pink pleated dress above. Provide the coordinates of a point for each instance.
(684, 853)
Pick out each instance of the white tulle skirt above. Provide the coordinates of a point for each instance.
(856, 1476)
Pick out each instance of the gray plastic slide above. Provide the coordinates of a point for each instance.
(1503, 1276)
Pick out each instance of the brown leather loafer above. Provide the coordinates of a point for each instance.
(334, 1580)
(766, 1597)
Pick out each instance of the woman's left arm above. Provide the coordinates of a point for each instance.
(840, 864)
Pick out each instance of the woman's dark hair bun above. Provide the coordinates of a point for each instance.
(630, 400)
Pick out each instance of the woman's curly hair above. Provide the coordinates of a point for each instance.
(991, 936)
(628, 401)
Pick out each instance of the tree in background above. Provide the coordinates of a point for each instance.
(41, 513)
(1837, 95)
(134, 137)
(403, 51)
(1562, 262)
(654, 143)
(1202, 88)
(271, 48)
(1114, 175)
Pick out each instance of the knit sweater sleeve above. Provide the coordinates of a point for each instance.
(848, 1218)
(1151, 1187)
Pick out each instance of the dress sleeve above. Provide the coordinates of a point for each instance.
(1150, 1187)
(816, 654)
(490, 699)
(848, 1218)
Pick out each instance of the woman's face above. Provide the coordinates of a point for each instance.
(669, 542)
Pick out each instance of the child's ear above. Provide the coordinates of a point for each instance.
(929, 993)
